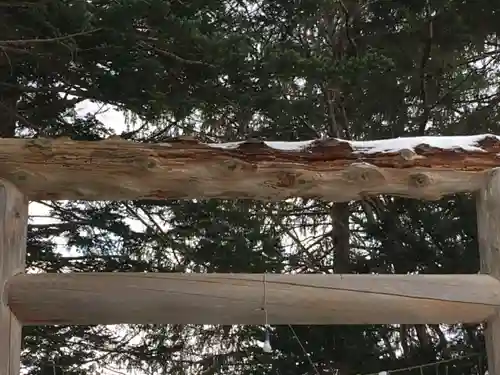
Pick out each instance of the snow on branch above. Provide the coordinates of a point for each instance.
(465, 143)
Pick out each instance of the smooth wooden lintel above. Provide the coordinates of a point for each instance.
(329, 169)
(113, 298)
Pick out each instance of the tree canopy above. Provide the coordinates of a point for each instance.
(231, 70)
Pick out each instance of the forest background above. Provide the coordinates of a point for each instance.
(231, 70)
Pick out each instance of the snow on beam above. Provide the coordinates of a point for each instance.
(183, 168)
(114, 298)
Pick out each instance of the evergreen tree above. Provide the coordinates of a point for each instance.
(228, 70)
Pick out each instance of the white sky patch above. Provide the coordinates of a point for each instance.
(282, 146)
(40, 214)
(109, 115)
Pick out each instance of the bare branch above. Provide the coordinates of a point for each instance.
(49, 40)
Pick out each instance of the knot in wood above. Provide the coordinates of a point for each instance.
(147, 163)
(230, 164)
(286, 179)
(424, 148)
(407, 154)
(419, 180)
(234, 165)
(364, 173)
(22, 176)
(40, 143)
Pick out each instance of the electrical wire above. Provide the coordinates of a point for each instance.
(304, 350)
(267, 342)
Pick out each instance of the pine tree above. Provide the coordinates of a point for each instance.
(228, 70)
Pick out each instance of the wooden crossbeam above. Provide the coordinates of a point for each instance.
(330, 169)
(113, 298)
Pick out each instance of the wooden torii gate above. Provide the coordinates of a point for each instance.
(329, 169)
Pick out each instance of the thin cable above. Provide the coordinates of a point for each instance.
(304, 350)
(267, 342)
(480, 355)
(265, 298)
(54, 358)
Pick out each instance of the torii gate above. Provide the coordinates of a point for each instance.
(329, 169)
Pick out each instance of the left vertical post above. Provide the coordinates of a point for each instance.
(13, 230)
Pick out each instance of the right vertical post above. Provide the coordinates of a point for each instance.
(488, 222)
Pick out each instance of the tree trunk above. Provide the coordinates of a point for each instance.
(9, 96)
(340, 236)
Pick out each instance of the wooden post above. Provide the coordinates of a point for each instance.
(488, 221)
(13, 228)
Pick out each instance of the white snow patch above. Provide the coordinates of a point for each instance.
(289, 146)
(467, 143)
(226, 146)
(277, 145)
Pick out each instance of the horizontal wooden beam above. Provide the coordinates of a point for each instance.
(331, 169)
(114, 298)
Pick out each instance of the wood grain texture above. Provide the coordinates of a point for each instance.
(488, 217)
(13, 226)
(113, 298)
(327, 169)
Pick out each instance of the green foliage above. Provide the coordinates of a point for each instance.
(226, 70)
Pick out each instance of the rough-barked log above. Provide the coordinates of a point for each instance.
(113, 298)
(330, 169)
